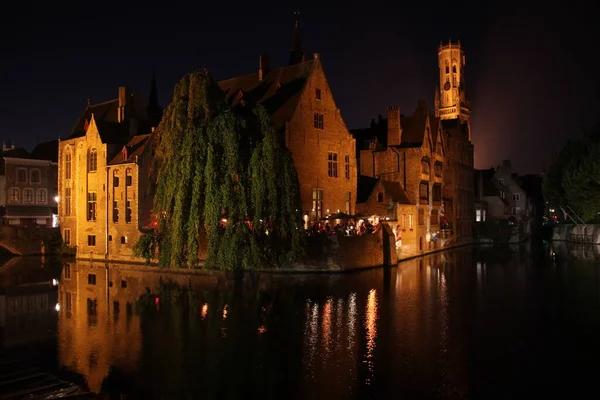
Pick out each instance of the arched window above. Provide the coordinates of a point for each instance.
(27, 195)
(454, 68)
(92, 160)
(68, 165)
(447, 69)
(15, 195)
(35, 176)
(380, 197)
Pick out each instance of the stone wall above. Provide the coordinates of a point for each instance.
(577, 233)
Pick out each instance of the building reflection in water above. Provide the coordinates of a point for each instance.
(97, 327)
(173, 335)
(28, 302)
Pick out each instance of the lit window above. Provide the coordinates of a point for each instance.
(332, 165)
(347, 166)
(28, 195)
(92, 160)
(67, 201)
(92, 203)
(317, 203)
(41, 196)
(478, 215)
(318, 121)
(15, 195)
(68, 165)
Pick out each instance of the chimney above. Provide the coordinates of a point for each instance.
(394, 130)
(263, 66)
(123, 99)
(506, 166)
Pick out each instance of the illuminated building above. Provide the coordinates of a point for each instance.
(103, 185)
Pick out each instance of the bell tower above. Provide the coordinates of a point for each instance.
(451, 98)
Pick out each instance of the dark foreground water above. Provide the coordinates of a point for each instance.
(467, 323)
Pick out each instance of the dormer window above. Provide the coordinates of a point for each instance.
(318, 94)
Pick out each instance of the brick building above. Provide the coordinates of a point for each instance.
(431, 156)
(408, 151)
(104, 201)
(28, 185)
(299, 99)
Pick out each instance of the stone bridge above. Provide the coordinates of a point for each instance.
(28, 241)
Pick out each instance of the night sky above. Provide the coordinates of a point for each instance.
(529, 70)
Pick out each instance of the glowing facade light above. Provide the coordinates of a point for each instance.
(57, 307)
(54, 282)
(56, 198)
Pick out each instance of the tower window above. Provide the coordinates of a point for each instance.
(454, 69)
(447, 69)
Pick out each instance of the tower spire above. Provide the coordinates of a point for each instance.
(296, 54)
(153, 109)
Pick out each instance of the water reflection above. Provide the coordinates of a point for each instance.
(456, 324)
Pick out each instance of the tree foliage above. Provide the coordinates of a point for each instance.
(223, 172)
(573, 180)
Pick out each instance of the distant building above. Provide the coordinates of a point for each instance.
(499, 194)
(29, 185)
(104, 199)
(301, 104)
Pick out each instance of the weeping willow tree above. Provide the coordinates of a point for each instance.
(223, 171)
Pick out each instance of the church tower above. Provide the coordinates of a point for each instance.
(450, 98)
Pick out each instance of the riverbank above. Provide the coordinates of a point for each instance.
(589, 234)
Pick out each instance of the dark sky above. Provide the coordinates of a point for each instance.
(530, 71)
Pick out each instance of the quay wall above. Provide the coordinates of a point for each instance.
(577, 233)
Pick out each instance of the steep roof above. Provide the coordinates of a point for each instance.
(135, 148)
(45, 151)
(395, 191)
(279, 91)
(367, 184)
(107, 118)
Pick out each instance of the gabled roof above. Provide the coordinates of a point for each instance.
(279, 91)
(365, 187)
(107, 119)
(135, 148)
(395, 191)
(45, 151)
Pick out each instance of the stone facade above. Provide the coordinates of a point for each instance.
(104, 200)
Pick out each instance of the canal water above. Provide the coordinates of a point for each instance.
(472, 322)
